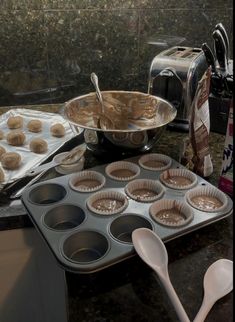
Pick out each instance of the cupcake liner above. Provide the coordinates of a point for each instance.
(122, 165)
(151, 185)
(111, 206)
(178, 173)
(157, 158)
(166, 204)
(70, 168)
(209, 192)
(87, 175)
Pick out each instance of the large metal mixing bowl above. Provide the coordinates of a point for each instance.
(132, 121)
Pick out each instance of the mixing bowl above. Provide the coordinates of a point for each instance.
(132, 122)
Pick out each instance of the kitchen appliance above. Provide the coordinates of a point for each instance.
(174, 75)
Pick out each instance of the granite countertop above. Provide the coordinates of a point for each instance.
(129, 291)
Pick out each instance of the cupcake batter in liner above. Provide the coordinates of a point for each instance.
(171, 213)
(207, 199)
(122, 170)
(155, 162)
(144, 190)
(87, 181)
(107, 202)
(178, 179)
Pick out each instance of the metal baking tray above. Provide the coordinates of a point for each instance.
(30, 159)
(101, 234)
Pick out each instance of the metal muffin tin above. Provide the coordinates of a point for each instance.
(84, 242)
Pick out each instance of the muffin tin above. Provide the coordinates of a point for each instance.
(84, 241)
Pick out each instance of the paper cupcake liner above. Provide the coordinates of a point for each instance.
(155, 157)
(108, 194)
(165, 204)
(70, 168)
(209, 192)
(152, 185)
(178, 173)
(122, 165)
(87, 175)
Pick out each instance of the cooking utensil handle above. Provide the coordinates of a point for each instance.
(221, 28)
(174, 299)
(210, 58)
(220, 49)
(94, 79)
(41, 168)
(203, 311)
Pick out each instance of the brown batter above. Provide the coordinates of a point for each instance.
(143, 193)
(87, 183)
(178, 181)
(107, 204)
(122, 173)
(171, 216)
(207, 202)
(154, 164)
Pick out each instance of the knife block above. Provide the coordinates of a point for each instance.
(219, 111)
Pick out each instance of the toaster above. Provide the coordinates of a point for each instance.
(174, 76)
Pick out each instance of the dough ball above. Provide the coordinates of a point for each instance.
(34, 126)
(11, 160)
(57, 130)
(1, 135)
(16, 138)
(15, 122)
(2, 176)
(38, 145)
(2, 150)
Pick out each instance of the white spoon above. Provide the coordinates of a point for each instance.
(153, 252)
(218, 282)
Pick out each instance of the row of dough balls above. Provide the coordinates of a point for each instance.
(17, 138)
(16, 122)
(12, 160)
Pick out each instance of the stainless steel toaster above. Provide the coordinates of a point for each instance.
(174, 75)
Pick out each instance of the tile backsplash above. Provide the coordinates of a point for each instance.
(48, 48)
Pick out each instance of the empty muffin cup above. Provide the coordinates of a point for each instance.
(122, 170)
(207, 199)
(87, 181)
(64, 217)
(171, 213)
(83, 247)
(144, 190)
(45, 194)
(178, 178)
(121, 228)
(155, 162)
(107, 202)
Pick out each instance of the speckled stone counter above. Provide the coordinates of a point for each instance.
(130, 291)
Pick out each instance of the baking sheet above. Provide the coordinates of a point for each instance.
(31, 159)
